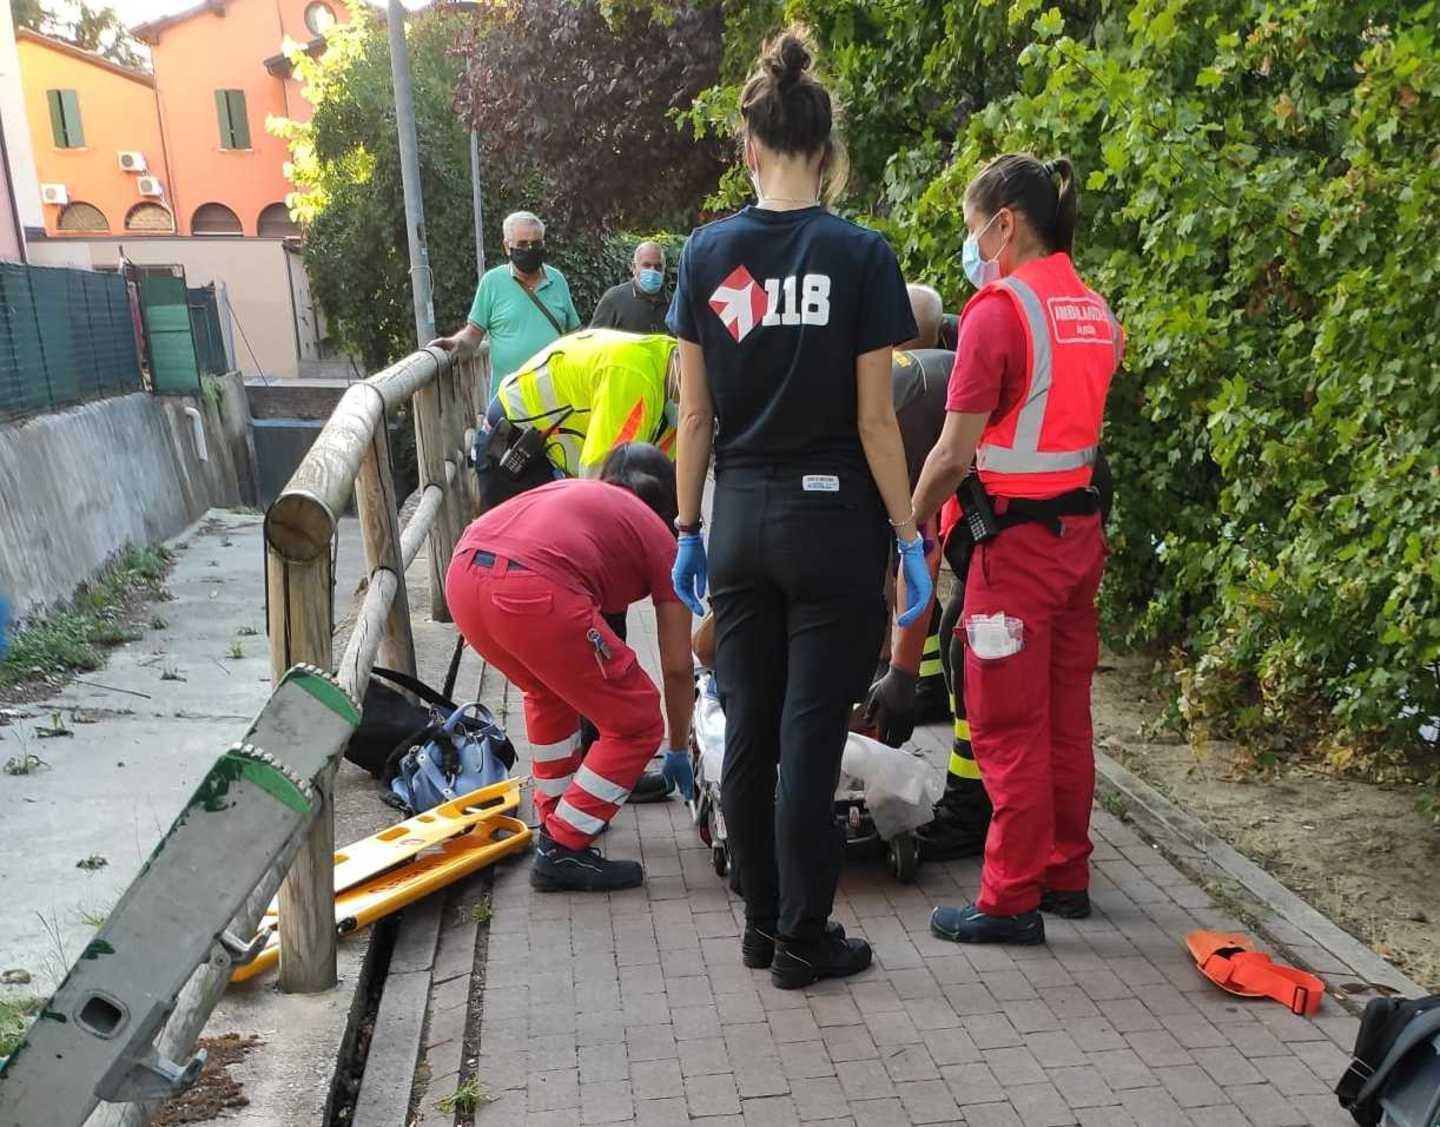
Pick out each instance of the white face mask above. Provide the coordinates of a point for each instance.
(981, 271)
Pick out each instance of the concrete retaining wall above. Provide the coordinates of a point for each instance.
(77, 485)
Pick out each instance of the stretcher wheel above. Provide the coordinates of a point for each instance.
(903, 855)
(720, 858)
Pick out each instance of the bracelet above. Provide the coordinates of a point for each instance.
(908, 520)
(691, 529)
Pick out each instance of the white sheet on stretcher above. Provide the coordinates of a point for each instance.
(899, 786)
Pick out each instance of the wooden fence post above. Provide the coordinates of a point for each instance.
(301, 629)
(376, 503)
(430, 443)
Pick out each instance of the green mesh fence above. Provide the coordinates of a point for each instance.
(65, 337)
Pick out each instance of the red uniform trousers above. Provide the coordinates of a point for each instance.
(542, 636)
(1029, 712)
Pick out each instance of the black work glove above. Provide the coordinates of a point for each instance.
(890, 706)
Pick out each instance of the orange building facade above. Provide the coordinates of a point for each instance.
(83, 114)
(206, 164)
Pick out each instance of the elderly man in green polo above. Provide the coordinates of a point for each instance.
(522, 306)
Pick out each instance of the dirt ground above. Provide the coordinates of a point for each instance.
(1361, 854)
(216, 1090)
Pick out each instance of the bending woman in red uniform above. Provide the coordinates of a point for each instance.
(1035, 355)
(530, 585)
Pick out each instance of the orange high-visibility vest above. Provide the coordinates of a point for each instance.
(1045, 444)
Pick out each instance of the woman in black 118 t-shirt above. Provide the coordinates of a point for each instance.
(786, 316)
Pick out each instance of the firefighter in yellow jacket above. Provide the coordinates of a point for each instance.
(562, 411)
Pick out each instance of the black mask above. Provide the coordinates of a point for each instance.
(527, 259)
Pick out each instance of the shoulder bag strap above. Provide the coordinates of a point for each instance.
(540, 305)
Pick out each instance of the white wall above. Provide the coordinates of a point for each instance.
(23, 176)
(256, 279)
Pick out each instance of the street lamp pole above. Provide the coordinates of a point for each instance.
(420, 277)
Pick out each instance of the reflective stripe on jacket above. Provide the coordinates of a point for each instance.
(1045, 444)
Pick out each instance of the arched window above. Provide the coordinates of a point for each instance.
(80, 216)
(149, 217)
(215, 219)
(275, 223)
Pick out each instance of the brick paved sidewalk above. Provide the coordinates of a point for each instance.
(634, 1007)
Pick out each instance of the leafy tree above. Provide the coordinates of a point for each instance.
(588, 90)
(99, 30)
(1261, 204)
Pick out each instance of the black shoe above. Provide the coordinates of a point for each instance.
(970, 925)
(651, 787)
(557, 869)
(1068, 905)
(757, 947)
(830, 956)
(962, 819)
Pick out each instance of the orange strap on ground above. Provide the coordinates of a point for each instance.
(1230, 961)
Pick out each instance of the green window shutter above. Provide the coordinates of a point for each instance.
(234, 125)
(239, 121)
(65, 124)
(222, 110)
(74, 131)
(57, 117)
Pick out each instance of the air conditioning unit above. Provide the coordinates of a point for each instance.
(54, 193)
(150, 186)
(131, 161)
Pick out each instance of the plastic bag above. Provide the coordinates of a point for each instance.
(710, 731)
(900, 788)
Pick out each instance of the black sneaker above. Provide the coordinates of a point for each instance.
(830, 956)
(557, 869)
(970, 925)
(757, 947)
(651, 787)
(1068, 905)
(950, 836)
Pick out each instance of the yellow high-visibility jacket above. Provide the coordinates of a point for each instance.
(603, 387)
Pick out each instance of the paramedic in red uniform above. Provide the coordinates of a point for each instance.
(529, 586)
(1036, 352)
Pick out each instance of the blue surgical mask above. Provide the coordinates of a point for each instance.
(980, 271)
(650, 281)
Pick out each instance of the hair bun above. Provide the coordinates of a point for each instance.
(788, 60)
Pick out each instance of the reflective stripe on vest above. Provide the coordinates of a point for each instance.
(1024, 454)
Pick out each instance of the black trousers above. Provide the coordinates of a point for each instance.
(797, 585)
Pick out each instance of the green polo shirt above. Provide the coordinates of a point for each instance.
(517, 329)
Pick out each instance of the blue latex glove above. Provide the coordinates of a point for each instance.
(678, 772)
(689, 573)
(918, 585)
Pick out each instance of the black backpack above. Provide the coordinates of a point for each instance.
(1391, 1030)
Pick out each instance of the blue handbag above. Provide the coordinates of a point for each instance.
(455, 754)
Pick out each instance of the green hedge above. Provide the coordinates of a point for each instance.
(1262, 206)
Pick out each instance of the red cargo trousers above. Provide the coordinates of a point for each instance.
(552, 643)
(1029, 711)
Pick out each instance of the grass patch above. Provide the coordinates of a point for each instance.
(465, 1099)
(482, 912)
(15, 1015)
(72, 639)
(237, 651)
(25, 764)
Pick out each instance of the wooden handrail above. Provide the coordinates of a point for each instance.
(350, 457)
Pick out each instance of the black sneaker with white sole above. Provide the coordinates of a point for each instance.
(558, 869)
(831, 956)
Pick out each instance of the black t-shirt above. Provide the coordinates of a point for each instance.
(921, 380)
(782, 303)
(623, 307)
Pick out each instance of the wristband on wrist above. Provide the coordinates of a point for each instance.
(689, 527)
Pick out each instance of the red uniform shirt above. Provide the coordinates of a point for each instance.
(588, 535)
(989, 372)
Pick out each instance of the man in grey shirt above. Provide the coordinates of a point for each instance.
(639, 304)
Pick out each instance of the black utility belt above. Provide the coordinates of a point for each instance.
(979, 521)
